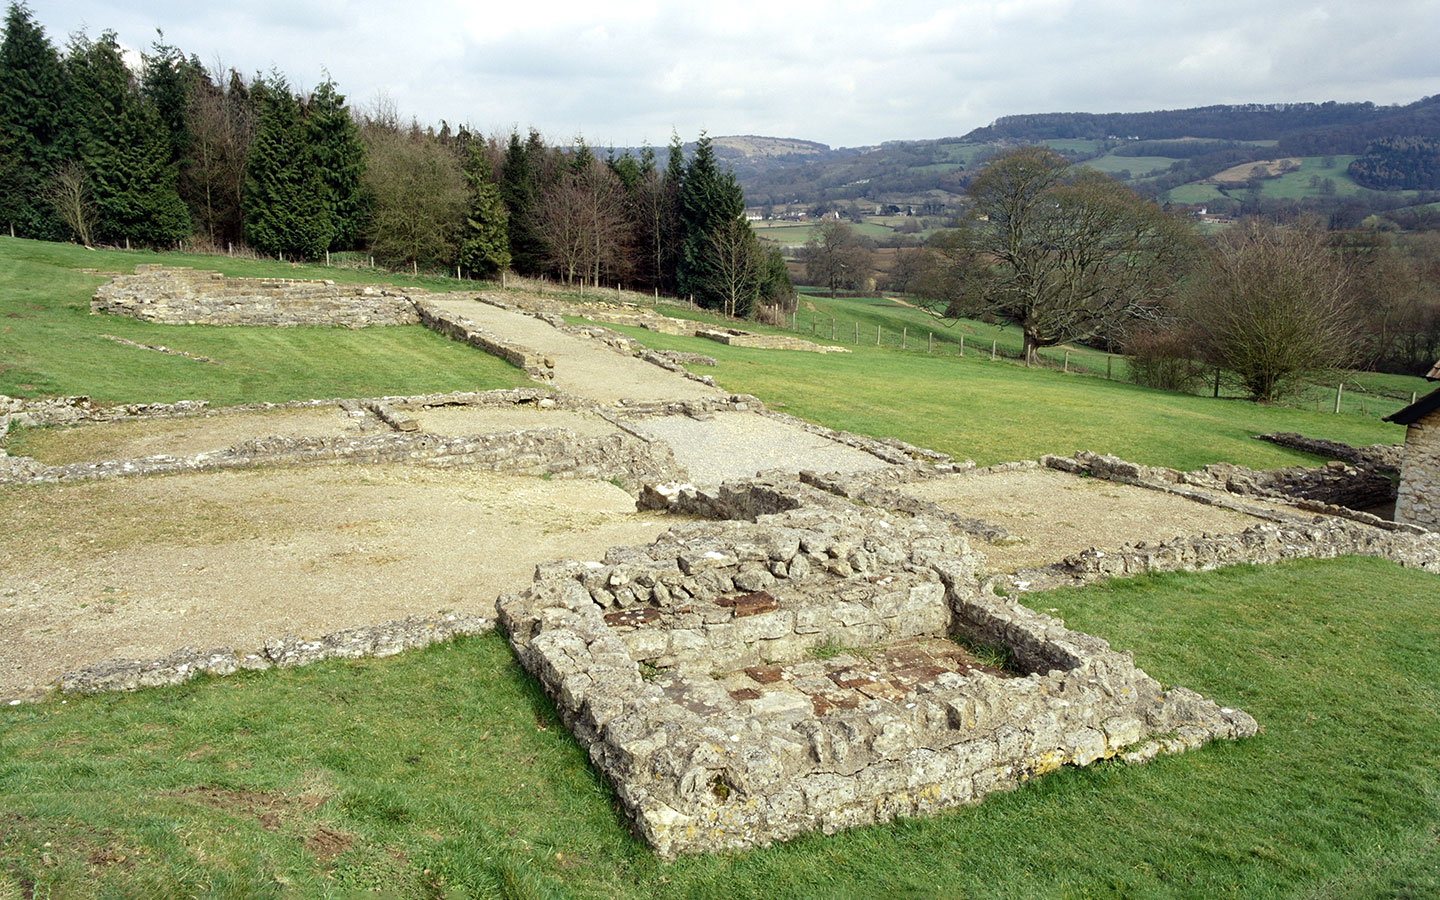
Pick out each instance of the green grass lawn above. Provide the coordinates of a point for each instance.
(50, 343)
(444, 773)
(998, 411)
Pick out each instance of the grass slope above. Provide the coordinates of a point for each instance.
(444, 773)
(51, 344)
(998, 411)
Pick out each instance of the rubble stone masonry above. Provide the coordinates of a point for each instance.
(1418, 502)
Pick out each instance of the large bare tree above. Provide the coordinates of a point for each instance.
(1274, 307)
(835, 258)
(583, 218)
(1065, 254)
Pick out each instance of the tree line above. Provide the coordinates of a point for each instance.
(94, 152)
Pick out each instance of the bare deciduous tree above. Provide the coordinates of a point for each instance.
(583, 217)
(835, 258)
(1064, 254)
(221, 129)
(737, 267)
(1273, 307)
(69, 195)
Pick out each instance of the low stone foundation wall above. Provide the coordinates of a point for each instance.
(744, 682)
(459, 328)
(735, 337)
(1334, 484)
(385, 639)
(182, 296)
(1383, 456)
(551, 451)
(1287, 535)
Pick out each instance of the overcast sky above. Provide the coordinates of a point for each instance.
(842, 72)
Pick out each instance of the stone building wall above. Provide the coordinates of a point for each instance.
(181, 296)
(1418, 502)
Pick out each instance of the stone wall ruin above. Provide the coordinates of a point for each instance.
(173, 295)
(741, 682)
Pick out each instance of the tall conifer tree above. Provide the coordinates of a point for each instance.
(31, 100)
(335, 140)
(520, 189)
(710, 200)
(120, 140)
(485, 239)
(284, 198)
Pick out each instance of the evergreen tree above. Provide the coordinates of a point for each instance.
(709, 202)
(31, 100)
(520, 189)
(118, 137)
(485, 240)
(667, 217)
(340, 155)
(284, 199)
(168, 81)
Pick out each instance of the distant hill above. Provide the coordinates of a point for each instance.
(748, 146)
(1297, 153)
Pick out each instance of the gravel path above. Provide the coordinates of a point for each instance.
(738, 445)
(583, 367)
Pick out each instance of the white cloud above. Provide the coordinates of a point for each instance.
(847, 73)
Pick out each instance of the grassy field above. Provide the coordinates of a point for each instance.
(276, 785)
(857, 319)
(51, 344)
(793, 234)
(1137, 166)
(444, 774)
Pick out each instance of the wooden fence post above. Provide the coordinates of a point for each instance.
(1067, 362)
(877, 335)
(992, 351)
(1109, 360)
(905, 338)
(1339, 392)
(832, 329)
(962, 344)
(930, 342)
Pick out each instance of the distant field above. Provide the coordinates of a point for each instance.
(1296, 185)
(1073, 145)
(1194, 193)
(794, 234)
(1136, 165)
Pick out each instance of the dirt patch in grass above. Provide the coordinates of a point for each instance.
(138, 568)
(1051, 515)
(327, 843)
